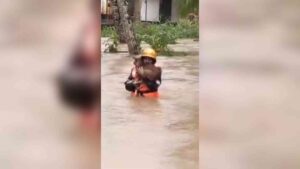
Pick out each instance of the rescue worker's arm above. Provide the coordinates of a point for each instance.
(130, 77)
(129, 83)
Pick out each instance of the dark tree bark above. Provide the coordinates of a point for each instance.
(117, 23)
(126, 26)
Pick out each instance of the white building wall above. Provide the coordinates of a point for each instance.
(103, 7)
(152, 11)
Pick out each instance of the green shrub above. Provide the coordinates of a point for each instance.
(187, 29)
(158, 36)
(107, 31)
(111, 45)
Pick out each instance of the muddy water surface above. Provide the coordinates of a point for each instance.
(141, 133)
(37, 131)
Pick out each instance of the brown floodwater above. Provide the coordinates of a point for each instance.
(150, 133)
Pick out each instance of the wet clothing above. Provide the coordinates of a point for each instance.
(144, 80)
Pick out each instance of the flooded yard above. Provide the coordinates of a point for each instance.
(150, 133)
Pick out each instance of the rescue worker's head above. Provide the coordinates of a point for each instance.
(149, 56)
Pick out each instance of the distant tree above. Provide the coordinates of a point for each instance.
(117, 23)
(124, 25)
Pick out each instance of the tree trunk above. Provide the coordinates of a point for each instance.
(127, 28)
(137, 10)
(117, 23)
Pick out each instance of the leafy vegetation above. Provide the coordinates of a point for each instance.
(188, 6)
(111, 44)
(108, 31)
(187, 29)
(158, 36)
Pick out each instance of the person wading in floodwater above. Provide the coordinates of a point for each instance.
(145, 77)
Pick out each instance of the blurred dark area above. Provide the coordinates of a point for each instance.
(38, 39)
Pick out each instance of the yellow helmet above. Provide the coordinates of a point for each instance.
(149, 52)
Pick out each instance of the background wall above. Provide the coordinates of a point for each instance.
(152, 11)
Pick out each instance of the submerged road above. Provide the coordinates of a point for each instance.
(141, 133)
